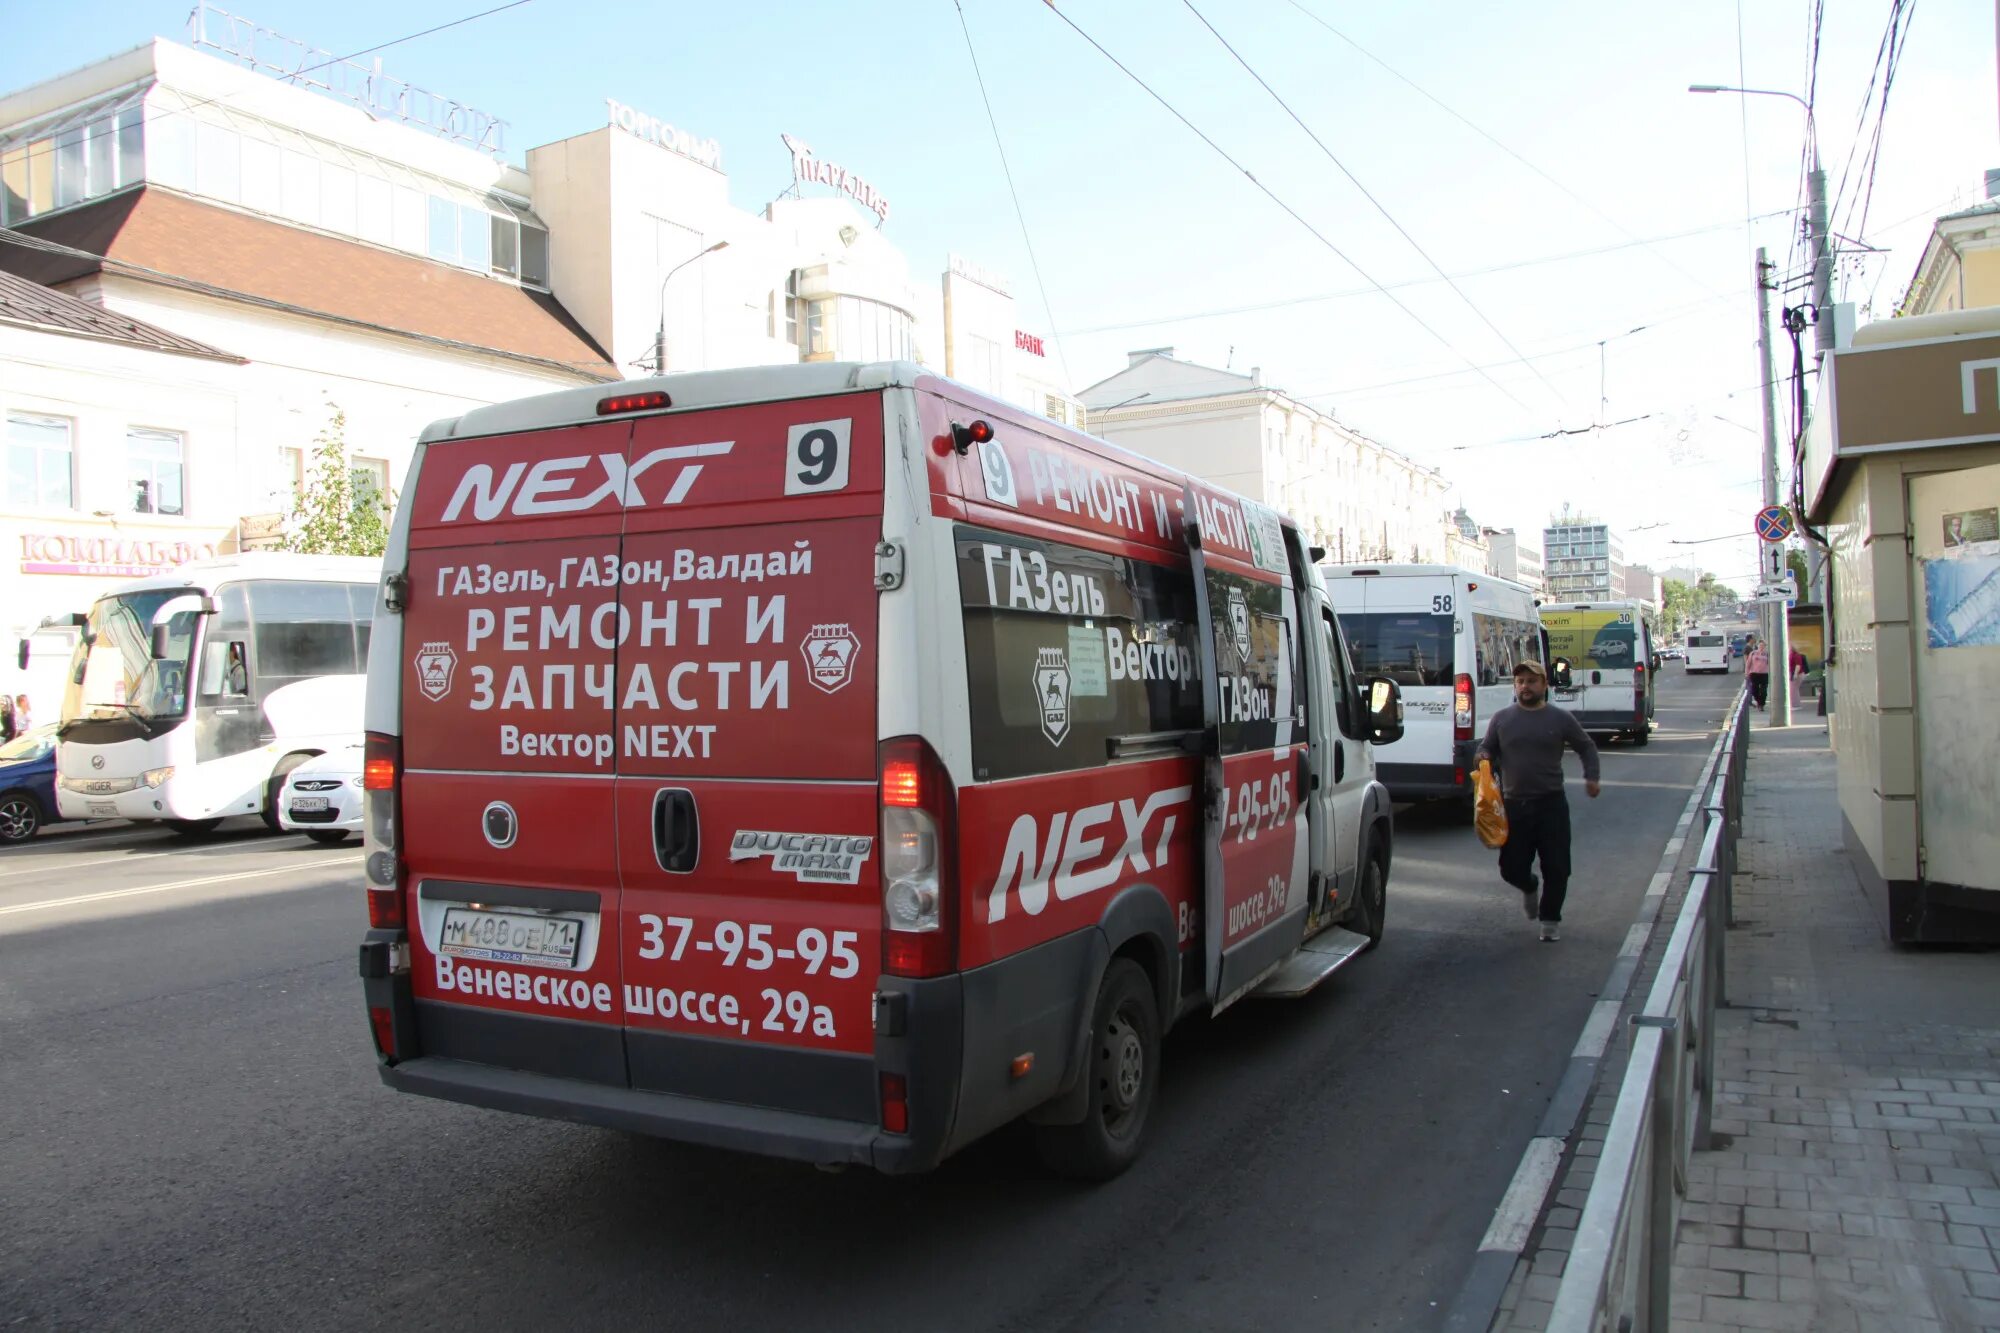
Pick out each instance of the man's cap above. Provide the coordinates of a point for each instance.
(1530, 668)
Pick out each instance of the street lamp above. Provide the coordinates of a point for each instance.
(660, 337)
(1776, 624)
(1822, 275)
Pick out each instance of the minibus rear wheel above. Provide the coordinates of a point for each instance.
(1123, 1070)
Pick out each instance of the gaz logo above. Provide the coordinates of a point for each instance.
(1052, 693)
(1239, 624)
(435, 663)
(998, 474)
(829, 652)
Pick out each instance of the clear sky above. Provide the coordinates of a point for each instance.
(1146, 237)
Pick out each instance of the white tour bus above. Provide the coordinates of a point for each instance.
(1707, 650)
(1608, 648)
(193, 693)
(1449, 638)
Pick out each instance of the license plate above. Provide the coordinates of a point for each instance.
(1565, 694)
(511, 937)
(104, 807)
(309, 802)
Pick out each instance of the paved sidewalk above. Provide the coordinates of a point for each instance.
(1859, 1084)
(1855, 1181)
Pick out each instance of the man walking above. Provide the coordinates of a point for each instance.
(1524, 742)
(1758, 667)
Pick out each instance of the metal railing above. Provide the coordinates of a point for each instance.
(1619, 1275)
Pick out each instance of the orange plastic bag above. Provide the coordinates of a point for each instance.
(1489, 815)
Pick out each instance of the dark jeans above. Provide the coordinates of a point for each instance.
(1538, 826)
(1760, 686)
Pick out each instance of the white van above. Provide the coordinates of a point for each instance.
(1609, 650)
(1450, 638)
(831, 762)
(1707, 651)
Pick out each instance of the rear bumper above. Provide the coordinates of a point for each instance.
(1609, 719)
(1418, 782)
(753, 1129)
(951, 1038)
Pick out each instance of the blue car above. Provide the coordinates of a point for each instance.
(28, 784)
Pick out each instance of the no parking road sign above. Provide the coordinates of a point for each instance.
(1773, 523)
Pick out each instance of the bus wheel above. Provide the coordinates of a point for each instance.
(1371, 902)
(275, 788)
(193, 828)
(1643, 736)
(1124, 1074)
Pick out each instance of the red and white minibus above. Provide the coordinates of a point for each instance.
(829, 762)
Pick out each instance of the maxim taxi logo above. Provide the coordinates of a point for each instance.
(830, 651)
(435, 664)
(1052, 693)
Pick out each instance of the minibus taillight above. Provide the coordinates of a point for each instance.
(381, 828)
(919, 844)
(1461, 708)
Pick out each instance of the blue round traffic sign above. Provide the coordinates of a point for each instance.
(1773, 523)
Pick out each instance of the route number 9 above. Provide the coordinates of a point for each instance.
(1441, 606)
(816, 457)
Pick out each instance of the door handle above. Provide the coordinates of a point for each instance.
(1339, 763)
(676, 830)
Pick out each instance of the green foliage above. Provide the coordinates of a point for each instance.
(332, 514)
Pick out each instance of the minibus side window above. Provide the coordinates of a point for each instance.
(1070, 653)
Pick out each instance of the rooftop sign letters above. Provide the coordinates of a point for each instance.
(1029, 343)
(806, 167)
(67, 553)
(708, 152)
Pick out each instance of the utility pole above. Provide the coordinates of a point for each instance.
(1775, 629)
(1822, 295)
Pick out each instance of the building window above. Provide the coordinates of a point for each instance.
(291, 473)
(816, 330)
(153, 464)
(534, 256)
(792, 307)
(443, 234)
(369, 482)
(507, 246)
(218, 162)
(39, 461)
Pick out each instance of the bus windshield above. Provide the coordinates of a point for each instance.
(114, 672)
(1410, 648)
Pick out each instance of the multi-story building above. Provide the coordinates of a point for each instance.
(1513, 558)
(1643, 585)
(1465, 543)
(344, 247)
(1582, 561)
(1356, 497)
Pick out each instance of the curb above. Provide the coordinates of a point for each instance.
(1506, 1239)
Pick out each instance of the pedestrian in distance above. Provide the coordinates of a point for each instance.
(8, 728)
(1796, 670)
(1758, 667)
(1524, 742)
(23, 724)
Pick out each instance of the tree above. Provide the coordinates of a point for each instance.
(1795, 560)
(337, 511)
(1677, 604)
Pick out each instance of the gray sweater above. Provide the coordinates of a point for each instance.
(1526, 747)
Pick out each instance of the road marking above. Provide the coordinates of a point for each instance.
(1522, 1203)
(1661, 879)
(1597, 1028)
(109, 894)
(58, 867)
(1635, 939)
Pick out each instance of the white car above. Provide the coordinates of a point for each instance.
(322, 797)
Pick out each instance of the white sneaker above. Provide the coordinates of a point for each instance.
(1551, 932)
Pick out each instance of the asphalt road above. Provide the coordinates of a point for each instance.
(192, 1133)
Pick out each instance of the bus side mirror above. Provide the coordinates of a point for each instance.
(1559, 673)
(163, 620)
(21, 655)
(1384, 709)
